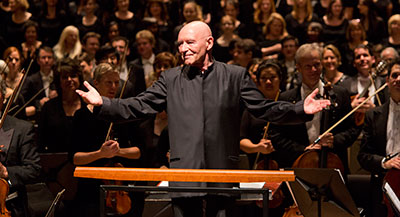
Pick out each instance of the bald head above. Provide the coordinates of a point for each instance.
(195, 43)
(197, 27)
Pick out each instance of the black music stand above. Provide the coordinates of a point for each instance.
(322, 192)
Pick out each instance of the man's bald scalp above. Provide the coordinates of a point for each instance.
(198, 26)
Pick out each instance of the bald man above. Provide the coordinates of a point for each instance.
(205, 100)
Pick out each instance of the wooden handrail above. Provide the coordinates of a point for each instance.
(183, 175)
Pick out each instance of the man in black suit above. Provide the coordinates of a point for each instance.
(363, 62)
(292, 140)
(205, 100)
(380, 144)
(19, 160)
(40, 83)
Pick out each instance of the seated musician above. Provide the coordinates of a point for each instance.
(92, 149)
(19, 160)
(292, 140)
(252, 129)
(355, 85)
(381, 136)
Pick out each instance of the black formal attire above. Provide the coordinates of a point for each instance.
(89, 134)
(350, 84)
(96, 27)
(14, 32)
(335, 35)
(50, 29)
(33, 85)
(204, 115)
(55, 128)
(372, 152)
(290, 141)
(204, 109)
(21, 159)
(127, 28)
(136, 76)
(299, 29)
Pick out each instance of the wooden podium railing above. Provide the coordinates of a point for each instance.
(185, 175)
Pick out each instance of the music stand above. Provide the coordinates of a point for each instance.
(322, 192)
(54, 204)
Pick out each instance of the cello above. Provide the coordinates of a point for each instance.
(322, 158)
(311, 159)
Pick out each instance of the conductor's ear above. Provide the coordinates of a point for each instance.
(210, 42)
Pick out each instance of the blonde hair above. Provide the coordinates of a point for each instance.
(258, 14)
(275, 16)
(59, 48)
(309, 9)
(335, 52)
(197, 8)
(392, 19)
(23, 3)
(101, 70)
(146, 34)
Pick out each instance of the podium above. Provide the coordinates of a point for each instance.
(184, 175)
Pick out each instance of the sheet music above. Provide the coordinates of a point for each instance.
(393, 197)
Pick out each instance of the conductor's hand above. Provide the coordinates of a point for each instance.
(91, 97)
(312, 106)
(109, 149)
(392, 163)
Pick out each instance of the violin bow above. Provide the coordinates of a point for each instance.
(30, 100)
(348, 114)
(120, 96)
(265, 134)
(18, 89)
(11, 99)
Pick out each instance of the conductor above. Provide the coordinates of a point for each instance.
(204, 99)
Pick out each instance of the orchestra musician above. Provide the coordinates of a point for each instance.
(55, 122)
(19, 160)
(40, 82)
(204, 99)
(363, 62)
(91, 149)
(252, 129)
(292, 140)
(381, 135)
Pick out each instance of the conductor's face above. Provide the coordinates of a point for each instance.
(194, 41)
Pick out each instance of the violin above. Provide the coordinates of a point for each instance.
(269, 164)
(4, 188)
(118, 201)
